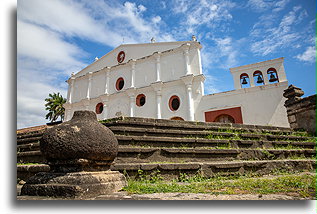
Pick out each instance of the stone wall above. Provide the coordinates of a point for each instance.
(301, 112)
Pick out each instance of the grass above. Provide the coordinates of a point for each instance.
(28, 164)
(303, 184)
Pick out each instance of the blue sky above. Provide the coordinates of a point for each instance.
(56, 38)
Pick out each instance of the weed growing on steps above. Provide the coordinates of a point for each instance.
(302, 184)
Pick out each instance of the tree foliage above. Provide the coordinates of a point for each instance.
(54, 105)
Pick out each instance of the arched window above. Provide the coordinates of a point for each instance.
(119, 84)
(224, 118)
(140, 100)
(244, 80)
(177, 118)
(272, 75)
(99, 108)
(258, 78)
(174, 103)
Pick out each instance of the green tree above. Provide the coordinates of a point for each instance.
(54, 105)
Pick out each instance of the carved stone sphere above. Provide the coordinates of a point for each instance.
(81, 138)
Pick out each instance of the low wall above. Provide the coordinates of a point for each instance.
(301, 112)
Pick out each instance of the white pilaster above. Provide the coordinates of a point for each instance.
(71, 90)
(188, 80)
(190, 102)
(89, 85)
(186, 58)
(157, 56)
(132, 61)
(105, 99)
(107, 70)
(131, 94)
(67, 107)
(157, 86)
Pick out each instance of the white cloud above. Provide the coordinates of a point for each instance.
(156, 19)
(209, 13)
(267, 5)
(46, 56)
(270, 37)
(308, 56)
(46, 46)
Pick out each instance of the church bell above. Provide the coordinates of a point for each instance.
(272, 78)
(244, 81)
(260, 80)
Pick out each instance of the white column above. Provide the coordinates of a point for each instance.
(199, 61)
(67, 107)
(133, 73)
(158, 104)
(158, 66)
(190, 103)
(186, 58)
(157, 86)
(89, 85)
(104, 99)
(105, 110)
(132, 104)
(107, 80)
(71, 89)
(131, 94)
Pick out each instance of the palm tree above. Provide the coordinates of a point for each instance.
(54, 104)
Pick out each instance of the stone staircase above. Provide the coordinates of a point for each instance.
(169, 148)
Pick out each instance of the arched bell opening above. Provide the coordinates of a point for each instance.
(258, 78)
(272, 75)
(244, 80)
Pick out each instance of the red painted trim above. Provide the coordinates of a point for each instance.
(121, 56)
(118, 82)
(210, 116)
(98, 111)
(138, 98)
(170, 102)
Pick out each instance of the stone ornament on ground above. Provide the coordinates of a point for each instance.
(79, 153)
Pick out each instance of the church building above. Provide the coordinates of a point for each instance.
(164, 80)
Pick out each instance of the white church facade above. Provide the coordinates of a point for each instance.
(164, 80)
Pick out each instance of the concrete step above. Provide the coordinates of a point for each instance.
(208, 169)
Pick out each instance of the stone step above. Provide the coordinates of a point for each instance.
(136, 131)
(30, 135)
(25, 150)
(29, 140)
(145, 155)
(153, 141)
(208, 169)
(142, 155)
(189, 125)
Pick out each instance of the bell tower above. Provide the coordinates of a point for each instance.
(257, 74)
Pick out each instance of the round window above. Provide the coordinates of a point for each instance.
(140, 100)
(174, 103)
(99, 108)
(120, 56)
(119, 84)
